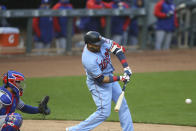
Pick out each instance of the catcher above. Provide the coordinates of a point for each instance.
(10, 92)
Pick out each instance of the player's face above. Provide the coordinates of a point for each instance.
(20, 85)
(93, 48)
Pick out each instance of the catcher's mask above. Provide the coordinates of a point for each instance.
(14, 80)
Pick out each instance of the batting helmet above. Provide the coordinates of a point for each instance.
(14, 80)
(93, 37)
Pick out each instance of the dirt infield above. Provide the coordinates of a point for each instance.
(42, 125)
(143, 61)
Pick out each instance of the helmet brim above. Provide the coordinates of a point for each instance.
(99, 43)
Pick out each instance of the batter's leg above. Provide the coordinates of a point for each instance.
(124, 113)
(101, 97)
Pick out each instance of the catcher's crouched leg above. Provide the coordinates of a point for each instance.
(13, 122)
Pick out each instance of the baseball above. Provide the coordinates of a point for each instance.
(188, 101)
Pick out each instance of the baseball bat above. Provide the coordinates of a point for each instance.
(120, 98)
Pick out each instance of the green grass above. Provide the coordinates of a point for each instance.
(160, 97)
(152, 97)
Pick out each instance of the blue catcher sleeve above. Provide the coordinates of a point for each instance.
(5, 98)
(29, 109)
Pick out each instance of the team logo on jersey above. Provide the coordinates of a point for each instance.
(105, 61)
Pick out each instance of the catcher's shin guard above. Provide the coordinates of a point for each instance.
(9, 128)
(13, 122)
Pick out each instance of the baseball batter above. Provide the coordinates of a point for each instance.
(102, 84)
(10, 100)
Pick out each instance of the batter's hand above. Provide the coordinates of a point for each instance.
(127, 71)
(125, 78)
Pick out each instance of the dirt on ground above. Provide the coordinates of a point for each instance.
(49, 125)
(140, 61)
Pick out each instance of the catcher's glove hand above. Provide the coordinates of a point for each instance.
(43, 108)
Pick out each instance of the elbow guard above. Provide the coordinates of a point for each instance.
(119, 52)
(116, 48)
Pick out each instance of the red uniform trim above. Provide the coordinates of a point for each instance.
(56, 7)
(115, 43)
(57, 27)
(125, 4)
(107, 4)
(127, 23)
(103, 22)
(115, 78)
(119, 46)
(176, 23)
(91, 4)
(158, 7)
(14, 126)
(9, 107)
(36, 28)
(123, 61)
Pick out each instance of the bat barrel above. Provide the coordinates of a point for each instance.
(120, 99)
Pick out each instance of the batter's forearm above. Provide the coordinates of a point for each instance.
(109, 79)
(122, 59)
(118, 50)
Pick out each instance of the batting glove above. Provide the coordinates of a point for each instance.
(127, 71)
(125, 78)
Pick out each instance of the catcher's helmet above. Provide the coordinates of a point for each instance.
(93, 37)
(14, 80)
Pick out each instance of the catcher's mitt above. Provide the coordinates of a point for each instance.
(43, 108)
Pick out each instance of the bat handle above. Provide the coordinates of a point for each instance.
(125, 84)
